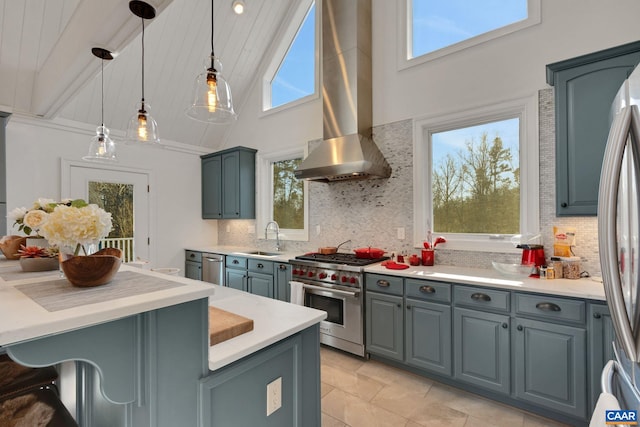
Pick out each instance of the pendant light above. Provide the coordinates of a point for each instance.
(142, 129)
(102, 148)
(212, 95)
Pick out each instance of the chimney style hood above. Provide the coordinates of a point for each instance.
(347, 150)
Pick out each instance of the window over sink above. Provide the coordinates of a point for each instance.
(476, 176)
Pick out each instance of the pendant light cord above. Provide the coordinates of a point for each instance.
(102, 91)
(142, 63)
(212, 53)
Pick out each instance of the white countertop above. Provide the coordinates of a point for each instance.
(242, 251)
(273, 320)
(22, 319)
(589, 288)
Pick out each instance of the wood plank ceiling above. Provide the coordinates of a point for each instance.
(47, 69)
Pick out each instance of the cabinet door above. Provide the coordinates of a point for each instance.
(385, 329)
(584, 90)
(236, 279)
(601, 337)
(482, 355)
(261, 284)
(550, 366)
(283, 277)
(193, 270)
(231, 186)
(211, 188)
(428, 336)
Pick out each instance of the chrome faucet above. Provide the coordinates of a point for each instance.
(276, 228)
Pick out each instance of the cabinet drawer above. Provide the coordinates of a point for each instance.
(236, 262)
(550, 308)
(385, 284)
(260, 266)
(193, 256)
(482, 298)
(428, 290)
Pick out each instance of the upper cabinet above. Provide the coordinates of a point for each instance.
(228, 184)
(584, 91)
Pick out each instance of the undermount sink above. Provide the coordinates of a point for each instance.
(261, 253)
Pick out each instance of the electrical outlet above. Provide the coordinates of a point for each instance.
(400, 233)
(274, 395)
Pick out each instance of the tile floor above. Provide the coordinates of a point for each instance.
(367, 393)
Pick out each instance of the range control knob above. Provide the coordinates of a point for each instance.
(334, 277)
(322, 275)
(344, 279)
(353, 280)
(311, 274)
(295, 272)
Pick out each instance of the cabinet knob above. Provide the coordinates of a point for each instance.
(479, 296)
(563, 205)
(519, 327)
(260, 265)
(427, 289)
(282, 266)
(408, 307)
(399, 305)
(382, 283)
(597, 315)
(505, 325)
(547, 306)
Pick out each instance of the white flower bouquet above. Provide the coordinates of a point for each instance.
(30, 220)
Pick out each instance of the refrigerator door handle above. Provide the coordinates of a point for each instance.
(607, 212)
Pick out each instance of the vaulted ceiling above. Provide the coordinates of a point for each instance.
(47, 69)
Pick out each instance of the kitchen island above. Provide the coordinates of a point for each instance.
(143, 343)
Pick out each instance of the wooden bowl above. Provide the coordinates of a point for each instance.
(10, 246)
(91, 270)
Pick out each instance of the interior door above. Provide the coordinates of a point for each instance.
(80, 178)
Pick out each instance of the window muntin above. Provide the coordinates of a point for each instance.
(522, 109)
(475, 178)
(292, 77)
(437, 24)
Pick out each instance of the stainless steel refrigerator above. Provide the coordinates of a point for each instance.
(618, 234)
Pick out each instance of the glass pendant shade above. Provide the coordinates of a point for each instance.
(142, 129)
(102, 148)
(211, 95)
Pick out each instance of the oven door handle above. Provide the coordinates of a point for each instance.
(336, 291)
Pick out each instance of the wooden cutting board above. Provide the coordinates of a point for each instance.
(224, 325)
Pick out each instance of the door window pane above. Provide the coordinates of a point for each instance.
(116, 199)
(476, 179)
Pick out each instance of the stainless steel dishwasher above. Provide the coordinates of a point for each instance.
(213, 268)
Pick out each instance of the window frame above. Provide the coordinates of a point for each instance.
(264, 187)
(280, 52)
(405, 36)
(526, 110)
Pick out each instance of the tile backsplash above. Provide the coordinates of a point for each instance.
(369, 212)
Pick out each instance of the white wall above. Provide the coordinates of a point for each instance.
(35, 148)
(505, 68)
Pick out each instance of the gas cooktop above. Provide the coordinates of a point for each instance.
(340, 258)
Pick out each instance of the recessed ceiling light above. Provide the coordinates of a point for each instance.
(238, 7)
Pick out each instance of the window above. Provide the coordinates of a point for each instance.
(436, 28)
(293, 75)
(476, 176)
(282, 197)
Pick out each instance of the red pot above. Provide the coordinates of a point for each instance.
(369, 253)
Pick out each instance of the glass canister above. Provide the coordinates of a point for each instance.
(571, 269)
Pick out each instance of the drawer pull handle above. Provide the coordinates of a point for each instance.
(192, 255)
(478, 296)
(597, 315)
(383, 283)
(427, 289)
(260, 266)
(547, 306)
(235, 261)
(519, 327)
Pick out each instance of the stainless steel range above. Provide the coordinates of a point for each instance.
(333, 283)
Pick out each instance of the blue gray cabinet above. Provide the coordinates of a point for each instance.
(584, 90)
(236, 395)
(601, 337)
(385, 327)
(228, 184)
(482, 349)
(550, 366)
(283, 276)
(250, 275)
(193, 265)
(428, 336)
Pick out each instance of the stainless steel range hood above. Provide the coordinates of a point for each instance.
(347, 150)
